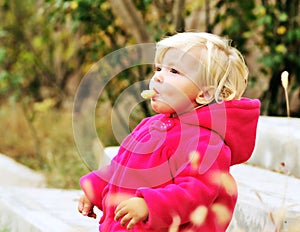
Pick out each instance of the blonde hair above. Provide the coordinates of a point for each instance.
(222, 66)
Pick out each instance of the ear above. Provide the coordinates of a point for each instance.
(205, 95)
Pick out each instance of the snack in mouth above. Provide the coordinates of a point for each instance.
(149, 93)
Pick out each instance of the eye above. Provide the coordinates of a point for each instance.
(157, 69)
(172, 70)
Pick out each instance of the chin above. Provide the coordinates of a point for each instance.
(162, 110)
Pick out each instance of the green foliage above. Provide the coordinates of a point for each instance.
(234, 17)
(274, 29)
(40, 57)
(97, 14)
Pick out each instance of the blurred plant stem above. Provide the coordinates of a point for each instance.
(30, 116)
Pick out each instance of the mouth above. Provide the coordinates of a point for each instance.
(155, 90)
(156, 95)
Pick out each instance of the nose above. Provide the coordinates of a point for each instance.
(158, 77)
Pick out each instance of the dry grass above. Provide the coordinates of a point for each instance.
(51, 150)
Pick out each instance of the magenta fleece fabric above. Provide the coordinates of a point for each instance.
(177, 165)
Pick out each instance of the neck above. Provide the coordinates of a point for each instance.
(175, 115)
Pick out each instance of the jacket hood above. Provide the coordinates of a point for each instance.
(235, 121)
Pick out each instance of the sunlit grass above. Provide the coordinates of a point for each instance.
(4, 229)
(57, 159)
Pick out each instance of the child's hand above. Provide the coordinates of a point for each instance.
(132, 211)
(85, 207)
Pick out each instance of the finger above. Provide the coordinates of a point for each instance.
(125, 219)
(81, 203)
(87, 208)
(120, 213)
(119, 207)
(120, 210)
(80, 206)
(131, 224)
(92, 214)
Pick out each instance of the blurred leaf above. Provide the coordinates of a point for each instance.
(267, 19)
(281, 30)
(259, 11)
(281, 48)
(2, 54)
(247, 34)
(283, 17)
(37, 42)
(44, 106)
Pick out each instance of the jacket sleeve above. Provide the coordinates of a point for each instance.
(93, 185)
(189, 190)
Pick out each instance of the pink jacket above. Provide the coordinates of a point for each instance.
(180, 166)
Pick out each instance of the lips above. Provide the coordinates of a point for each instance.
(156, 95)
(155, 90)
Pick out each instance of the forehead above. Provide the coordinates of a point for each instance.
(187, 62)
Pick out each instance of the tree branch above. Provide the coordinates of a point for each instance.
(178, 15)
(131, 19)
(207, 16)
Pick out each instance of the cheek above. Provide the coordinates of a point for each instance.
(173, 93)
(176, 98)
(179, 96)
(182, 101)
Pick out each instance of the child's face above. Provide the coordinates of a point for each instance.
(174, 81)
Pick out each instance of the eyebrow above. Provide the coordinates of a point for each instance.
(169, 64)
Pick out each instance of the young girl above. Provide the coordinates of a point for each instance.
(172, 172)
